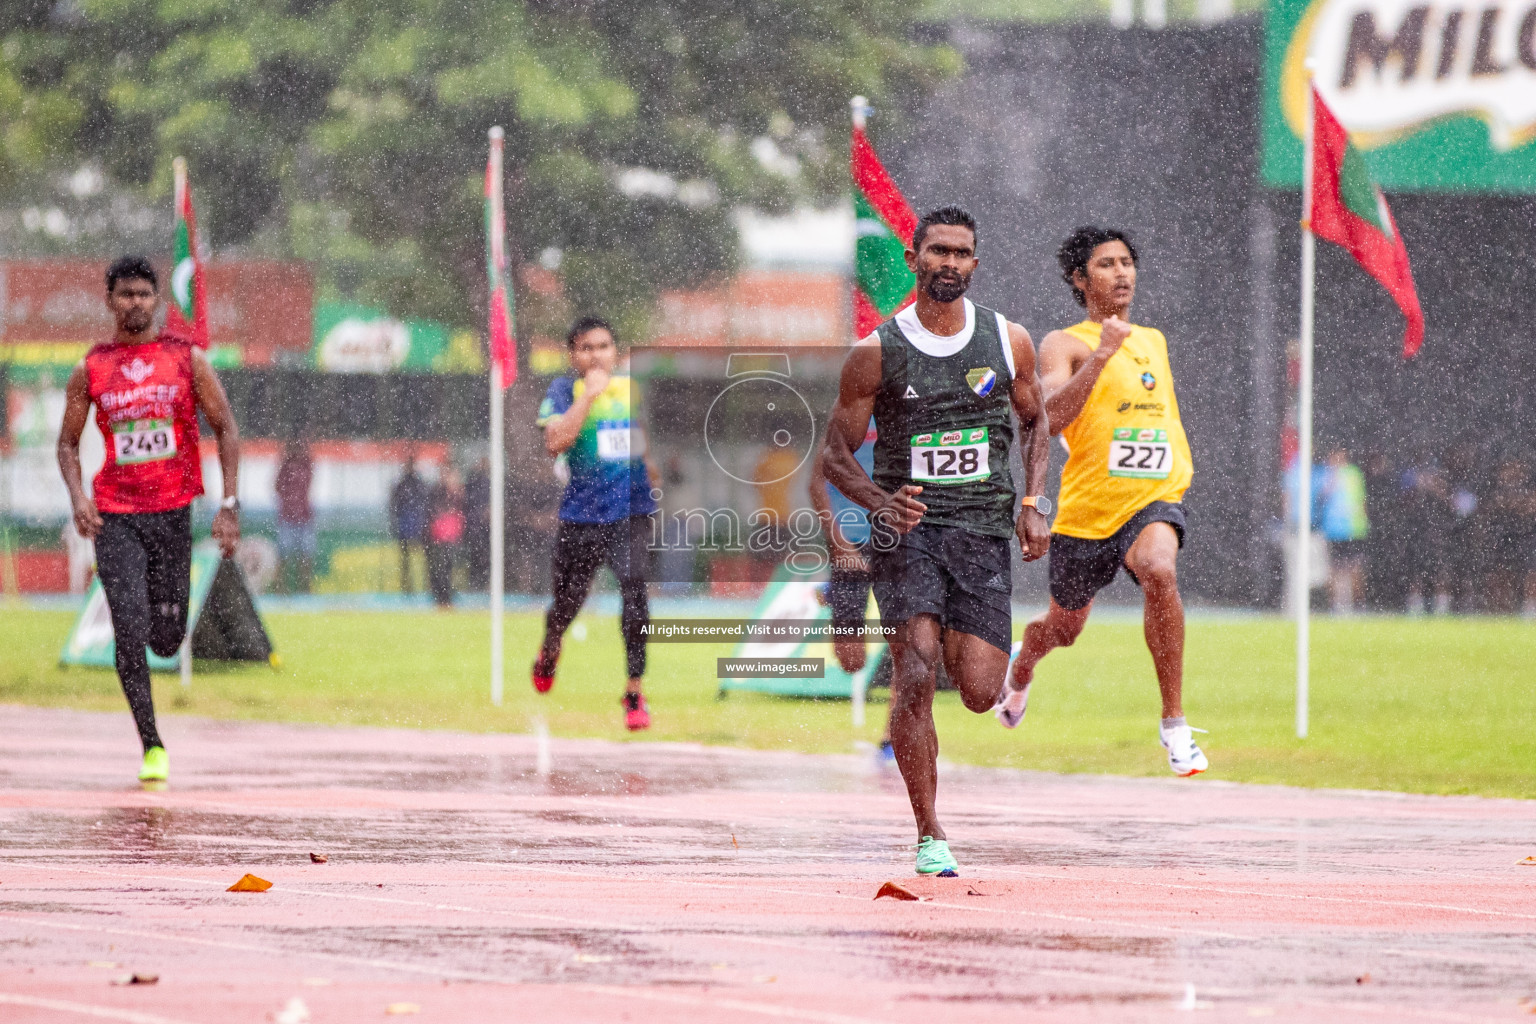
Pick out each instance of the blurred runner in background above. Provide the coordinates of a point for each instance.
(605, 515)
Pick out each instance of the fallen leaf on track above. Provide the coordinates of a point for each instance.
(136, 979)
(1528, 862)
(896, 892)
(401, 1009)
(250, 883)
(318, 858)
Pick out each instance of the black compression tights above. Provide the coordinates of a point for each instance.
(632, 621)
(144, 560)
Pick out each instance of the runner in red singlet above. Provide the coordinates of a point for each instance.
(147, 388)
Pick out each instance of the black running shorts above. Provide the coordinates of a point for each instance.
(1081, 568)
(963, 579)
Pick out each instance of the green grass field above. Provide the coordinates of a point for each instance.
(1428, 705)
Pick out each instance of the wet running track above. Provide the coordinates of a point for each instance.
(475, 878)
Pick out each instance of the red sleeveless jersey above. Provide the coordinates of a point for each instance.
(147, 412)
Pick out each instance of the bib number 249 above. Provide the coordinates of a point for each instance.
(951, 457)
(143, 441)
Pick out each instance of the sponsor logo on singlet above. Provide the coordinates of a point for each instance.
(138, 371)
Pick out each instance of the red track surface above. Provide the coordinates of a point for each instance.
(648, 882)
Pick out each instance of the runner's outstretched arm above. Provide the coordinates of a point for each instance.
(1034, 440)
(77, 410)
(215, 405)
(846, 431)
(1069, 369)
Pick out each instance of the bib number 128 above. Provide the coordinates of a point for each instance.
(951, 457)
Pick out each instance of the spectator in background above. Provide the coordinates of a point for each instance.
(295, 518)
(477, 525)
(1510, 524)
(1343, 522)
(1464, 563)
(445, 531)
(408, 511)
(1432, 508)
(1388, 547)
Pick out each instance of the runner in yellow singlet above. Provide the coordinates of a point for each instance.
(1109, 393)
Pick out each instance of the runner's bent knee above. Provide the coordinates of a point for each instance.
(1155, 574)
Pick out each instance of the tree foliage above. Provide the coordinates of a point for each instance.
(353, 132)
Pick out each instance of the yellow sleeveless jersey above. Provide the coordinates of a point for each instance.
(1127, 448)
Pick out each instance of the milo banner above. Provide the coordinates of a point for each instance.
(1439, 96)
(361, 339)
(221, 617)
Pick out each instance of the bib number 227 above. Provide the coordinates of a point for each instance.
(1143, 454)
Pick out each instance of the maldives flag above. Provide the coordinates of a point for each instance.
(187, 313)
(883, 225)
(1349, 210)
(503, 346)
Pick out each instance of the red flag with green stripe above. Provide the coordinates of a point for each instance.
(187, 312)
(1349, 210)
(883, 225)
(503, 345)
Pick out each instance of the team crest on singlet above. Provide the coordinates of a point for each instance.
(981, 380)
(1148, 381)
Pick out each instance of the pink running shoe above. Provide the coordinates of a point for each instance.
(636, 715)
(543, 674)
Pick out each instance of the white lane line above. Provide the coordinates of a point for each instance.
(1357, 901)
(85, 1009)
(623, 992)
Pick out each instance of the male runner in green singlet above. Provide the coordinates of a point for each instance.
(940, 380)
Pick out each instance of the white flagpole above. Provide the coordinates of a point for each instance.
(498, 447)
(1303, 582)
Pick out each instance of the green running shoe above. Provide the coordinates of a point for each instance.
(934, 858)
(157, 765)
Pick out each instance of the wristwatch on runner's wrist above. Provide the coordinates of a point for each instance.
(1040, 504)
(230, 504)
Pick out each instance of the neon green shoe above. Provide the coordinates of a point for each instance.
(934, 858)
(157, 765)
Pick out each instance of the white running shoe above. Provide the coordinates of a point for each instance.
(1184, 757)
(1012, 703)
